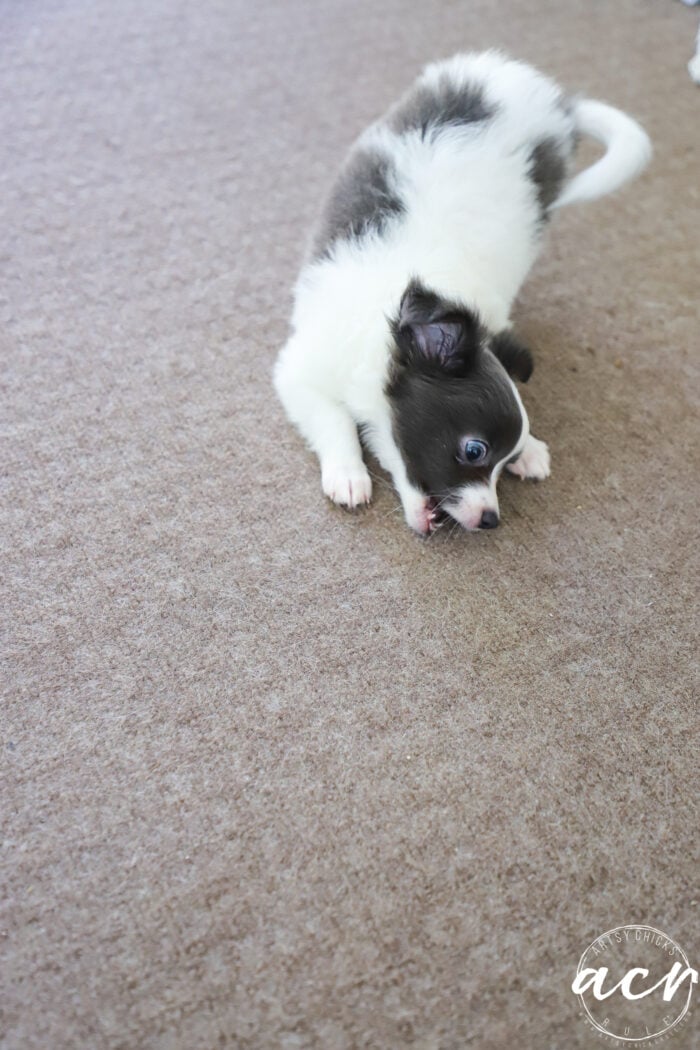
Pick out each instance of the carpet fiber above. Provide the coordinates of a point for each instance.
(276, 776)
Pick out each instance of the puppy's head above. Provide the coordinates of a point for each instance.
(458, 418)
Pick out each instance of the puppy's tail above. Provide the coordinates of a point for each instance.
(628, 152)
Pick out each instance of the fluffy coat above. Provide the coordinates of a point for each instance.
(401, 322)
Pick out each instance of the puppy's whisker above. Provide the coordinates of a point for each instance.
(441, 502)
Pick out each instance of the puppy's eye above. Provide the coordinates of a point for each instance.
(474, 452)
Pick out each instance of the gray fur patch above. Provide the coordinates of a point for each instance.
(547, 169)
(362, 200)
(428, 108)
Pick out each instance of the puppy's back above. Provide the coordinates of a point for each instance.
(474, 98)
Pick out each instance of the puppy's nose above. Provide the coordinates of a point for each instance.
(489, 520)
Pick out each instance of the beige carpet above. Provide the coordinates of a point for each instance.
(274, 776)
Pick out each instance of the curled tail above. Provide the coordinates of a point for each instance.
(628, 152)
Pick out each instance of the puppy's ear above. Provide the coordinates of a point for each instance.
(433, 335)
(440, 342)
(515, 358)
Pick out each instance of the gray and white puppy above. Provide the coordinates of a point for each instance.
(401, 324)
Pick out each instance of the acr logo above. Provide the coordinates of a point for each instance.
(634, 984)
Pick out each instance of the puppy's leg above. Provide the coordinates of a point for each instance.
(418, 509)
(694, 64)
(331, 432)
(533, 461)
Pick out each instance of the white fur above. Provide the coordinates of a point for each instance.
(533, 462)
(470, 233)
(628, 152)
(694, 64)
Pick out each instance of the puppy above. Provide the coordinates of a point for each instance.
(401, 318)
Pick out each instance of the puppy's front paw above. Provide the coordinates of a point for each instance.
(420, 512)
(533, 461)
(348, 486)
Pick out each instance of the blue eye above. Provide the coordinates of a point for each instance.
(474, 452)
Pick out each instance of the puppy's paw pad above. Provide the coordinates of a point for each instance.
(347, 486)
(533, 462)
